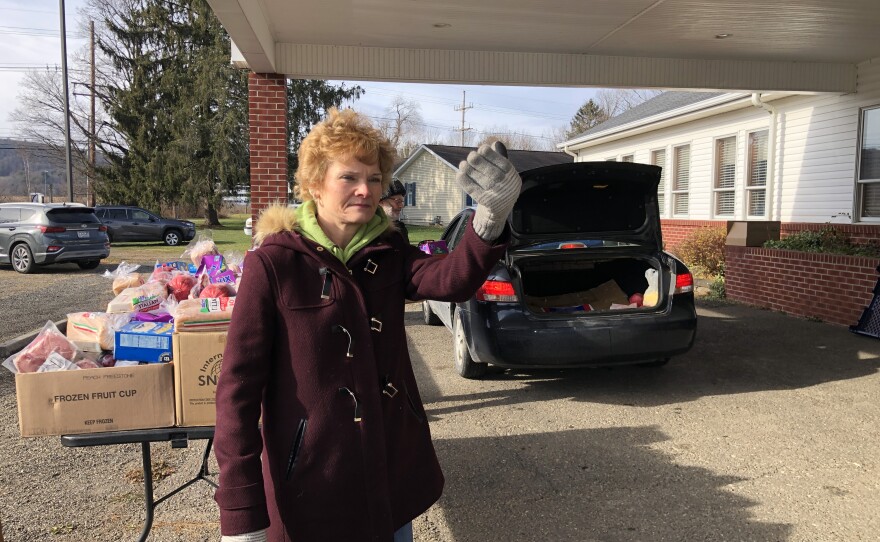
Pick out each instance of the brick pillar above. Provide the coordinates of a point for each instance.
(267, 113)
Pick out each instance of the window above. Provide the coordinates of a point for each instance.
(681, 175)
(9, 215)
(628, 158)
(725, 176)
(117, 214)
(137, 214)
(614, 159)
(658, 158)
(869, 164)
(410, 194)
(756, 175)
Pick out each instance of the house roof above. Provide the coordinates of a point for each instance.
(662, 103)
(521, 160)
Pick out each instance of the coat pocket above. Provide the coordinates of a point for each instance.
(296, 447)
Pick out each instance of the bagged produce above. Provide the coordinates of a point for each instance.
(97, 327)
(48, 341)
(180, 285)
(217, 290)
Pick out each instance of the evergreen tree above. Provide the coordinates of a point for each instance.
(588, 116)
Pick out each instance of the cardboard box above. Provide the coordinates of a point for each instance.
(144, 341)
(198, 357)
(752, 233)
(95, 400)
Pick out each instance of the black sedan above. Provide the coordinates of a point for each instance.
(585, 281)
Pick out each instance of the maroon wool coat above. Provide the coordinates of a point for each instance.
(319, 349)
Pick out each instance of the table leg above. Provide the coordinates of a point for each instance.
(149, 505)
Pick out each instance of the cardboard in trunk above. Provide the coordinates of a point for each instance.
(599, 298)
(95, 400)
(198, 357)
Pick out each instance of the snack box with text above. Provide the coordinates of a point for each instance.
(144, 341)
(95, 400)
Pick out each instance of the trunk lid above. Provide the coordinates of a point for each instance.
(595, 203)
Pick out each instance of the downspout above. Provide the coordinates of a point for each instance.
(771, 151)
(568, 152)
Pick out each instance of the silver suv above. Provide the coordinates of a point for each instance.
(33, 234)
(127, 223)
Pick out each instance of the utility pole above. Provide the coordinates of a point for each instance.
(90, 196)
(66, 103)
(463, 108)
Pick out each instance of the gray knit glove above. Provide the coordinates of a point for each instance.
(492, 180)
(256, 536)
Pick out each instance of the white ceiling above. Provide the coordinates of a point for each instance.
(808, 45)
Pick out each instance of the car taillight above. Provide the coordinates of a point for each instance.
(566, 246)
(53, 248)
(497, 290)
(102, 228)
(52, 229)
(684, 283)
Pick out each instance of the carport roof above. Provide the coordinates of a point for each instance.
(751, 45)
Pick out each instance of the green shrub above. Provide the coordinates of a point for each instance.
(716, 288)
(827, 240)
(703, 251)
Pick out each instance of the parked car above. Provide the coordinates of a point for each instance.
(126, 223)
(34, 234)
(584, 235)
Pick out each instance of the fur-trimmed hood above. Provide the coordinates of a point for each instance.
(279, 218)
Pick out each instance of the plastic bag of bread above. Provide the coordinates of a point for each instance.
(203, 314)
(48, 341)
(124, 276)
(99, 327)
(199, 247)
(144, 298)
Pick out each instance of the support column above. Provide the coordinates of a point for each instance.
(267, 113)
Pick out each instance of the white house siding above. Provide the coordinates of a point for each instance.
(816, 151)
(437, 193)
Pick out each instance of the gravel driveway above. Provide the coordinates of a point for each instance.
(765, 431)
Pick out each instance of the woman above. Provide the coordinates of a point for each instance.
(317, 347)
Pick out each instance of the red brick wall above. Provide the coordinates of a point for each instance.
(834, 288)
(675, 231)
(267, 113)
(858, 234)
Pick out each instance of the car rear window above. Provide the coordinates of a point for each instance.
(72, 216)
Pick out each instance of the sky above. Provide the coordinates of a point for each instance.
(30, 39)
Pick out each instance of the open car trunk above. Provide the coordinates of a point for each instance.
(590, 284)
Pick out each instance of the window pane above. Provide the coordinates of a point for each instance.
(682, 168)
(628, 158)
(756, 202)
(757, 159)
(871, 200)
(724, 203)
(681, 204)
(869, 166)
(725, 157)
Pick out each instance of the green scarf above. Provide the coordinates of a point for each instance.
(307, 224)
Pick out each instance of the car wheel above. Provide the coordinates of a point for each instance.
(430, 318)
(655, 363)
(88, 264)
(464, 364)
(22, 259)
(172, 238)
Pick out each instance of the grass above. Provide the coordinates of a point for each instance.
(229, 237)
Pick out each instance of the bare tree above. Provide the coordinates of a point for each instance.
(617, 100)
(403, 125)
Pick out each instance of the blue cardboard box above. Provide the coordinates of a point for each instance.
(144, 341)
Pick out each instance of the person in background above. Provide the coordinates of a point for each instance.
(392, 202)
(316, 351)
